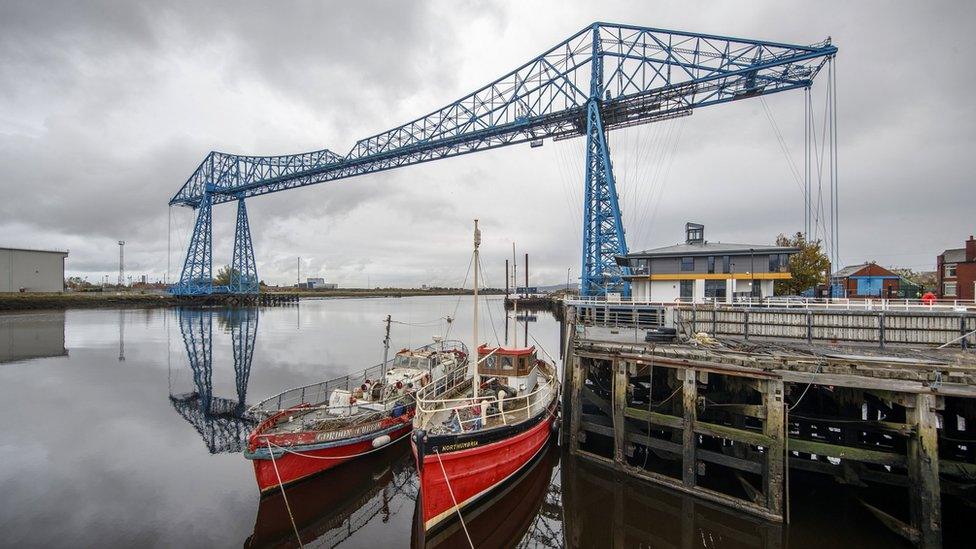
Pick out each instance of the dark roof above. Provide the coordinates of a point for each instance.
(849, 270)
(955, 255)
(713, 248)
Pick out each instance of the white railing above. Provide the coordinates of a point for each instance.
(463, 414)
(316, 395)
(848, 304)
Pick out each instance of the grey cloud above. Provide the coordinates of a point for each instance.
(106, 108)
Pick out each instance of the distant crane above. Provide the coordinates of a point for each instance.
(606, 76)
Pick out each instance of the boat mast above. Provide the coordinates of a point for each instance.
(514, 299)
(386, 347)
(477, 376)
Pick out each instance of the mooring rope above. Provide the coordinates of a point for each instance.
(453, 499)
(281, 485)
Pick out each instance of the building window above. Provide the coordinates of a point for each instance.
(687, 290)
(773, 263)
(711, 264)
(715, 289)
(784, 262)
(950, 270)
(725, 264)
(687, 263)
(949, 289)
(639, 266)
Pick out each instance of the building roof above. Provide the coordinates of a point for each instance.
(62, 252)
(849, 270)
(954, 255)
(713, 248)
(875, 271)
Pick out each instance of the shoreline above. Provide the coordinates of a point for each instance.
(133, 300)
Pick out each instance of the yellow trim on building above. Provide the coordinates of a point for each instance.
(714, 276)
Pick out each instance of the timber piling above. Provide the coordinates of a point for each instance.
(837, 400)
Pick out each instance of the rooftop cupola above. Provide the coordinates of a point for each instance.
(694, 233)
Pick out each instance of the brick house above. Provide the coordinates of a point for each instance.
(873, 280)
(956, 269)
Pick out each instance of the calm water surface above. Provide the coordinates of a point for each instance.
(125, 427)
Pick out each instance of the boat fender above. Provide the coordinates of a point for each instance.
(397, 410)
(381, 441)
(399, 385)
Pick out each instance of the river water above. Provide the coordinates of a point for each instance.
(125, 428)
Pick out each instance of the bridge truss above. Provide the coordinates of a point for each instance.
(605, 77)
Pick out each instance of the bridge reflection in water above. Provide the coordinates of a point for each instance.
(222, 423)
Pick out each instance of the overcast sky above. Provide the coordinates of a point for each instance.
(107, 107)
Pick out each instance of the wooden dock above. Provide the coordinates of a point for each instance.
(846, 399)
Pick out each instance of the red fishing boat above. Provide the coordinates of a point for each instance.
(314, 428)
(473, 435)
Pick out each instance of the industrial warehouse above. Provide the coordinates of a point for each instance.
(31, 270)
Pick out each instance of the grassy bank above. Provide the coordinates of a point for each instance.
(20, 302)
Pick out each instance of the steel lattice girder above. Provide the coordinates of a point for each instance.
(244, 272)
(647, 74)
(603, 233)
(195, 278)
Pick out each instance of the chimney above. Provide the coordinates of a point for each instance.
(971, 249)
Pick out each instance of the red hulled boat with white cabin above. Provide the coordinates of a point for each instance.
(473, 434)
(314, 428)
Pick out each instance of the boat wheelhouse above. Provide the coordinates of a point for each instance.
(310, 429)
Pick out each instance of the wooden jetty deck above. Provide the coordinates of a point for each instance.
(859, 410)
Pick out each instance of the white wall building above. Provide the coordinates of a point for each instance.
(698, 271)
(31, 270)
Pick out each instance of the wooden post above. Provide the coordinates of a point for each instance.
(619, 404)
(773, 427)
(576, 388)
(923, 472)
(689, 399)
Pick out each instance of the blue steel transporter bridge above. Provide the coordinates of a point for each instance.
(604, 77)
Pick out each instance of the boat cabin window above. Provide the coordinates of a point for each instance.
(507, 365)
(401, 360)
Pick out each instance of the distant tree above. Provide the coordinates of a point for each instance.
(808, 267)
(77, 283)
(927, 280)
(225, 276)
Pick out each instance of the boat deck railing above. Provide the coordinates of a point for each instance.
(440, 415)
(316, 395)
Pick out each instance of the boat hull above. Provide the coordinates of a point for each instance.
(475, 464)
(303, 461)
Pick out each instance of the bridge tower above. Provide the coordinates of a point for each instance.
(196, 277)
(603, 232)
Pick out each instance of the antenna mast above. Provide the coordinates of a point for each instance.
(477, 376)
